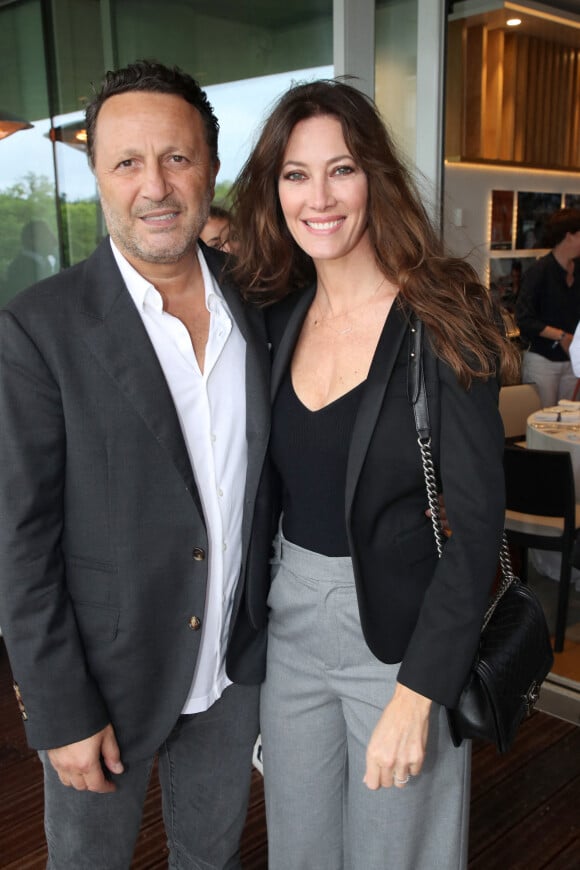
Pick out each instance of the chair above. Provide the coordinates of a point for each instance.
(516, 403)
(541, 512)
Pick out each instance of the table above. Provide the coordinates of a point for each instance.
(545, 434)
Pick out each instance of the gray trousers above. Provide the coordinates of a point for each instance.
(322, 698)
(554, 380)
(204, 770)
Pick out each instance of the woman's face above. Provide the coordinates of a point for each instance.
(323, 192)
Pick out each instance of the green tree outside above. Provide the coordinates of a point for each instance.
(33, 198)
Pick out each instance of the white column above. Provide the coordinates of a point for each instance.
(354, 42)
(432, 21)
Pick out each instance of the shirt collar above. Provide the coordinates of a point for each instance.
(143, 292)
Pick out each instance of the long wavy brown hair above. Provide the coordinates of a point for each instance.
(444, 291)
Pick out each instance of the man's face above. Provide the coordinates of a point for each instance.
(155, 175)
(575, 239)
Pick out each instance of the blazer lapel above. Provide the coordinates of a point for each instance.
(289, 338)
(373, 395)
(119, 341)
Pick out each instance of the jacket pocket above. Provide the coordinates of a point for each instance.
(417, 545)
(94, 590)
(96, 624)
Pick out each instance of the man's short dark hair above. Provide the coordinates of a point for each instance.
(151, 77)
(561, 222)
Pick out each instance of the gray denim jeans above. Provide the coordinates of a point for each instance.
(204, 770)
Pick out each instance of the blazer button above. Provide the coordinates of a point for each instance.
(198, 554)
(194, 623)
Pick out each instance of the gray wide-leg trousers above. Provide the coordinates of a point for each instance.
(322, 698)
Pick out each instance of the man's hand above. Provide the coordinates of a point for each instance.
(397, 747)
(80, 765)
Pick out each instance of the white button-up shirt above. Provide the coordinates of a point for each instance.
(211, 406)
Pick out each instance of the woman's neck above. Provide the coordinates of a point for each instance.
(342, 286)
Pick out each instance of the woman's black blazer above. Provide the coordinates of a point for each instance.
(414, 608)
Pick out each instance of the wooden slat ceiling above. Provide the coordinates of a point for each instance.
(561, 28)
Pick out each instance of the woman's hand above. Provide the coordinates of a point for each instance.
(566, 341)
(442, 515)
(397, 747)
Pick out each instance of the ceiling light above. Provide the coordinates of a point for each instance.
(10, 123)
(513, 22)
(73, 134)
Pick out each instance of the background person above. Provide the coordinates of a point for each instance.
(133, 398)
(369, 634)
(548, 310)
(36, 259)
(216, 230)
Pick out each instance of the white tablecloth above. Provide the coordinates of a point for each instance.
(545, 434)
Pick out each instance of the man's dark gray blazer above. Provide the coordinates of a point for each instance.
(102, 538)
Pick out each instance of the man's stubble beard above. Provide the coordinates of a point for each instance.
(128, 242)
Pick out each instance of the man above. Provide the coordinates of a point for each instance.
(133, 399)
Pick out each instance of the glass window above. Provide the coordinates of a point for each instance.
(226, 40)
(396, 27)
(81, 220)
(28, 242)
(245, 53)
(241, 107)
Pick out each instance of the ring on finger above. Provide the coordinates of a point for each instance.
(400, 781)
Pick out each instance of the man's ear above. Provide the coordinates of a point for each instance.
(216, 169)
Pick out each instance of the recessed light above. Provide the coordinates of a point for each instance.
(513, 22)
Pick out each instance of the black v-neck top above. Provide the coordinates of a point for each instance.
(310, 452)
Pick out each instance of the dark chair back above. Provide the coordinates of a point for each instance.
(540, 482)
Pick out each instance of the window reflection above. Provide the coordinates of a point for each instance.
(28, 241)
(29, 247)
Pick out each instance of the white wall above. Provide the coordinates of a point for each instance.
(467, 204)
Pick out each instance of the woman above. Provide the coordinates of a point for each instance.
(548, 310)
(369, 634)
(216, 230)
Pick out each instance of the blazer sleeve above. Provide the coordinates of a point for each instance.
(61, 702)
(445, 639)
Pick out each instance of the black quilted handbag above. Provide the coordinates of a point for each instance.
(513, 659)
(515, 654)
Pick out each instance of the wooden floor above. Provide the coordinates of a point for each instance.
(525, 811)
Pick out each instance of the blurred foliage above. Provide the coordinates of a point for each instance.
(222, 194)
(80, 229)
(33, 198)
